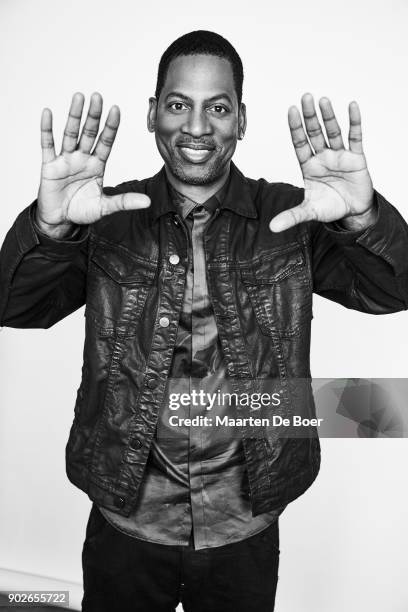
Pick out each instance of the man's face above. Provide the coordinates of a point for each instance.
(196, 120)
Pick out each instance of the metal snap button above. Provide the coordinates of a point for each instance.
(174, 259)
(135, 443)
(164, 322)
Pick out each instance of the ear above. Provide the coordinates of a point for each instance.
(152, 114)
(242, 121)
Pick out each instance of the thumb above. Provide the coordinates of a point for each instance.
(293, 216)
(123, 201)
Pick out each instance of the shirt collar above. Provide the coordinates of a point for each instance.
(235, 195)
(186, 205)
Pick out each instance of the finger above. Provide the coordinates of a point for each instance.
(291, 217)
(355, 134)
(312, 124)
(107, 136)
(124, 201)
(47, 137)
(331, 125)
(299, 138)
(91, 125)
(69, 142)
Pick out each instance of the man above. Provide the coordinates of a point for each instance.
(195, 279)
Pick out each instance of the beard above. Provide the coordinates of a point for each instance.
(194, 173)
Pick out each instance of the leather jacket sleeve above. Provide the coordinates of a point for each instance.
(42, 280)
(366, 270)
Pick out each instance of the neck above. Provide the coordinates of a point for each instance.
(197, 193)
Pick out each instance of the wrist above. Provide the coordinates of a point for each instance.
(56, 230)
(361, 221)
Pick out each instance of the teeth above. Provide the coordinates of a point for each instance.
(195, 154)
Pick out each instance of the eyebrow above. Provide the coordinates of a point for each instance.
(178, 94)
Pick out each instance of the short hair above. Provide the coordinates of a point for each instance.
(201, 42)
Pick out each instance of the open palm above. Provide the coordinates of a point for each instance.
(71, 183)
(337, 181)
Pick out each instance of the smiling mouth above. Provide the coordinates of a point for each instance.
(195, 153)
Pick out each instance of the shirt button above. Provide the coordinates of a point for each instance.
(164, 322)
(152, 383)
(174, 259)
(119, 502)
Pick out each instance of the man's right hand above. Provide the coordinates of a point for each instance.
(70, 191)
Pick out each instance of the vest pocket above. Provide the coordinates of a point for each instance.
(118, 286)
(280, 291)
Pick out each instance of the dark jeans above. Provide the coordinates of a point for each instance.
(124, 574)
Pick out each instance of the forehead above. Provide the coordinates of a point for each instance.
(199, 76)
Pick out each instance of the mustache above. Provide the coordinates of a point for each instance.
(196, 141)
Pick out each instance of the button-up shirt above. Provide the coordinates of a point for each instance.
(195, 488)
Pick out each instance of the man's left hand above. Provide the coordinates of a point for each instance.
(337, 182)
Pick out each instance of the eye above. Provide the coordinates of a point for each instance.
(219, 109)
(177, 106)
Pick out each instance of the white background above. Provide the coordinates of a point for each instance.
(344, 542)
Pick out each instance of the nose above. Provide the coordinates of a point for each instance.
(197, 124)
